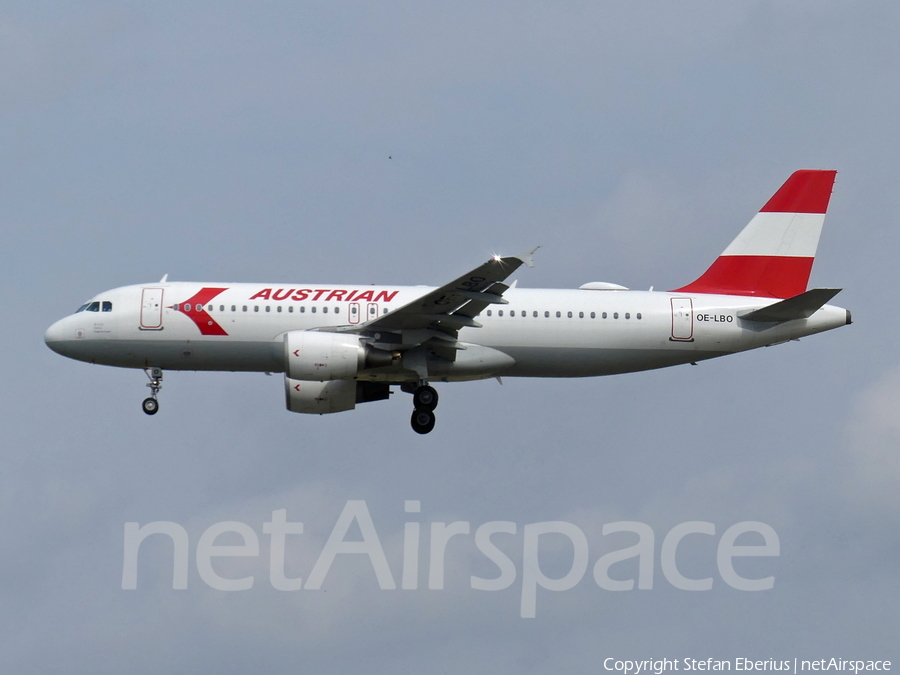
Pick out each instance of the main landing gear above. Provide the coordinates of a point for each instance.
(425, 400)
(150, 404)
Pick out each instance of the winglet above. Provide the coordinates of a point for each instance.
(165, 278)
(527, 257)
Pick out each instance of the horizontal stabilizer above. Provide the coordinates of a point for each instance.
(800, 306)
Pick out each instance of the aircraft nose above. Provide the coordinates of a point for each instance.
(56, 335)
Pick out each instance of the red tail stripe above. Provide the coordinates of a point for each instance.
(806, 191)
(756, 275)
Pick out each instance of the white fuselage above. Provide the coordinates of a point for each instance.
(544, 332)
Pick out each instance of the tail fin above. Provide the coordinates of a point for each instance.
(773, 255)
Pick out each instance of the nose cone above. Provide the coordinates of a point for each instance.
(58, 335)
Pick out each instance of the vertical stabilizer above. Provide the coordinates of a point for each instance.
(773, 255)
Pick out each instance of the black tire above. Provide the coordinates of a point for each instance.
(425, 398)
(150, 406)
(422, 421)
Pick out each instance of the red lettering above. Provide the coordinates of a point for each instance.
(262, 295)
(320, 293)
(365, 295)
(336, 295)
(302, 294)
(350, 297)
(281, 295)
(385, 296)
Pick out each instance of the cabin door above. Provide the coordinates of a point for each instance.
(151, 308)
(682, 320)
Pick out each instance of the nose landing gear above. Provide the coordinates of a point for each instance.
(425, 400)
(150, 404)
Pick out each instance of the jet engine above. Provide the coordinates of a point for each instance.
(320, 356)
(320, 398)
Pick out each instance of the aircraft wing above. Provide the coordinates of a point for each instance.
(445, 310)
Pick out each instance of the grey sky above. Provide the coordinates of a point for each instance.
(250, 142)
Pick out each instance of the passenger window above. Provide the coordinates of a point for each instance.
(593, 315)
(187, 307)
(313, 309)
(291, 309)
(603, 315)
(499, 312)
(580, 315)
(627, 315)
(245, 308)
(209, 308)
(255, 308)
(615, 315)
(384, 311)
(325, 310)
(570, 315)
(546, 314)
(535, 315)
(558, 314)
(221, 308)
(337, 310)
(233, 308)
(489, 312)
(303, 309)
(268, 308)
(279, 308)
(107, 306)
(638, 315)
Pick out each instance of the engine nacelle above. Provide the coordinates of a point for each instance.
(321, 398)
(320, 356)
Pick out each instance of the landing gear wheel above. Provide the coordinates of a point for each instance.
(425, 398)
(150, 406)
(422, 421)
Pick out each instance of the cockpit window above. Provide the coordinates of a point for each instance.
(107, 306)
(82, 308)
(93, 307)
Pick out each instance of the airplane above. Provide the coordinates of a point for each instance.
(346, 344)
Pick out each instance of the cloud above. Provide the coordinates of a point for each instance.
(874, 443)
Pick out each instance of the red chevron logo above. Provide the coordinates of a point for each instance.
(194, 308)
